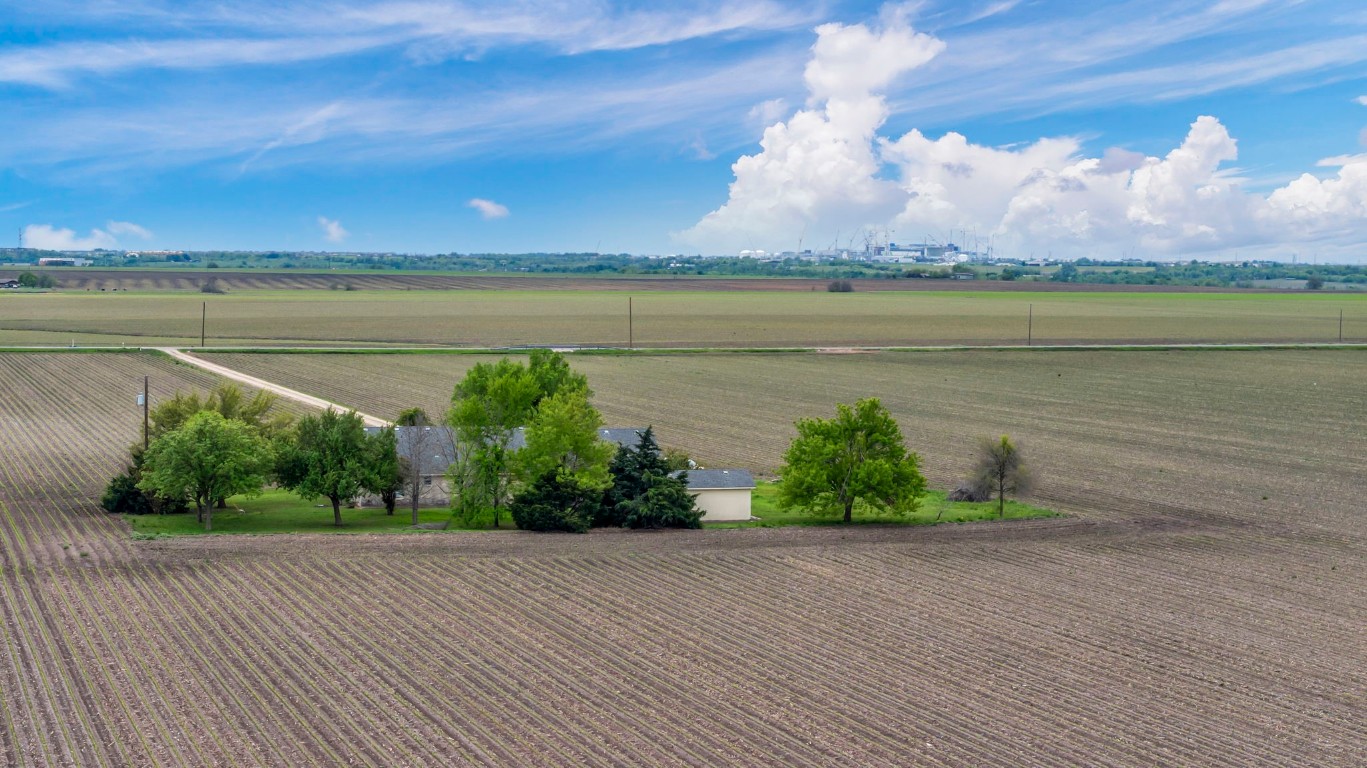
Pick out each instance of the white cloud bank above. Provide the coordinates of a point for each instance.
(333, 231)
(488, 208)
(49, 238)
(827, 170)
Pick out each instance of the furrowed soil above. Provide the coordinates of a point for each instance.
(717, 317)
(1201, 604)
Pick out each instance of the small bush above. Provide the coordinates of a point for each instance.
(840, 286)
(123, 497)
(211, 286)
(667, 504)
(676, 459)
(555, 503)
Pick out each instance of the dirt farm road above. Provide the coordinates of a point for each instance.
(286, 392)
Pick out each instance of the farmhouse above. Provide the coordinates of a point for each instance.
(722, 494)
(434, 450)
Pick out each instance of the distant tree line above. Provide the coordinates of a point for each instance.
(1082, 271)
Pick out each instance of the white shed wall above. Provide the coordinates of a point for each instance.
(724, 504)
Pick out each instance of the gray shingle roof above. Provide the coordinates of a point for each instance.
(436, 443)
(439, 448)
(623, 437)
(717, 479)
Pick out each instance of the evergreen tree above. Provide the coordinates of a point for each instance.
(643, 494)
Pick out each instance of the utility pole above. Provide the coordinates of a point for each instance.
(1340, 326)
(146, 403)
(203, 318)
(631, 326)
(1030, 327)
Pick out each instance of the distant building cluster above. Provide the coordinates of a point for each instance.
(64, 261)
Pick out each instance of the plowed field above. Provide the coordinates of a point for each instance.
(1176, 618)
(659, 318)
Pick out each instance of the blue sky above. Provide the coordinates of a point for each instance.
(429, 126)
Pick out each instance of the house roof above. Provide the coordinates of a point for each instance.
(719, 479)
(438, 443)
(622, 437)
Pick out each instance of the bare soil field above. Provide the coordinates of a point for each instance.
(84, 279)
(714, 318)
(1176, 618)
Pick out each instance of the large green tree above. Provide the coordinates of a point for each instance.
(487, 407)
(330, 456)
(387, 470)
(858, 457)
(562, 437)
(207, 458)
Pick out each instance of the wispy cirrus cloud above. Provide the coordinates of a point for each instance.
(119, 228)
(1130, 52)
(252, 34)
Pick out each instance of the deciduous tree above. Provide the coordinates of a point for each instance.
(228, 400)
(487, 407)
(1000, 470)
(858, 457)
(330, 456)
(563, 437)
(387, 470)
(417, 444)
(207, 458)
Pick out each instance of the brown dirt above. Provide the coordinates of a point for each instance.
(1173, 620)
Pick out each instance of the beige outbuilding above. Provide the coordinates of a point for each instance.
(722, 494)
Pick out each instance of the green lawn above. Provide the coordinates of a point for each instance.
(934, 508)
(283, 512)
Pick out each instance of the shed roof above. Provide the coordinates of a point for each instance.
(719, 479)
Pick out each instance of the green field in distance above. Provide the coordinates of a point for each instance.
(675, 319)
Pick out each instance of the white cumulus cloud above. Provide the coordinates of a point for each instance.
(49, 238)
(828, 170)
(488, 208)
(333, 231)
(820, 165)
